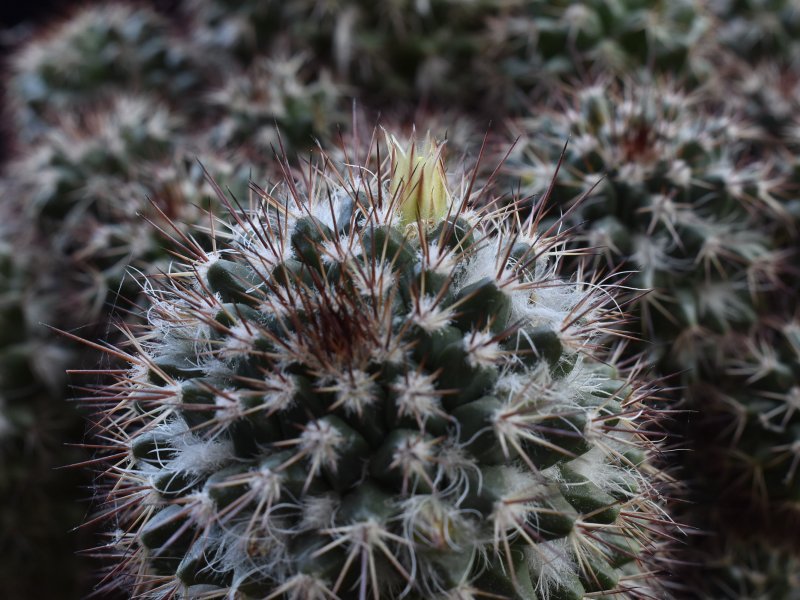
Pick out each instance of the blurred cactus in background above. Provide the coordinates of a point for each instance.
(683, 195)
(749, 569)
(99, 50)
(479, 54)
(246, 109)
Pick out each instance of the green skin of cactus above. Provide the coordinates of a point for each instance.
(699, 307)
(378, 476)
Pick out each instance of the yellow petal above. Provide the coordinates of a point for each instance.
(419, 183)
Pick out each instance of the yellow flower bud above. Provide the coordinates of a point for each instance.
(418, 183)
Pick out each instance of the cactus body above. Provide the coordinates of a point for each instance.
(342, 403)
(479, 54)
(97, 51)
(685, 196)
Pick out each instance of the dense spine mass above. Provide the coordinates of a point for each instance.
(369, 389)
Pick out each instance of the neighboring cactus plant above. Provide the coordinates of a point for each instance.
(101, 49)
(370, 390)
(674, 196)
(686, 198)
(477, 54)
(761, 389)
(548, 41)
(749, 570)
(758, 28)
(41, 507)
(86, 186)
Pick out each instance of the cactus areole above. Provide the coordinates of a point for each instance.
(373, 389)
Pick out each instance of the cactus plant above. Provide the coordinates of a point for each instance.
(98, 50)
(677, 193)
(370, 390)
(477, 54)
(40, 505)
(685, 196)
(749, 569)
(757, 28)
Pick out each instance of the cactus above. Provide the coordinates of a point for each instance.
(273, 92)
(684, 196)
(369, 389)
(99, 50)
(477, 54)
(676, 194)
(40, 505)
(551, 41)
(749, 570)
(757, 28)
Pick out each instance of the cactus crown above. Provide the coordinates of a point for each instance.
(342, 400)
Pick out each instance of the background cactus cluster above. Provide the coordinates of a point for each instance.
(135, 137)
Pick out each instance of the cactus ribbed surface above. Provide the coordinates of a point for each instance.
(371, 382)
(370, 390)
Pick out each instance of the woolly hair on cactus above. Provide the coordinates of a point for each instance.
(374, 388)
(100, 49)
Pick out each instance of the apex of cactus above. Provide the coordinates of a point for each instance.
(419, 183)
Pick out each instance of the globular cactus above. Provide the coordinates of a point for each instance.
(749, 570)
(673, 190)
(761, 388)
(242, 29)
(476, 54)
(686, 198)
(369, 389)
(401, 50)
(99, 50)
(87, 186)
(756, 60)
(548, 41)
(41, 506)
